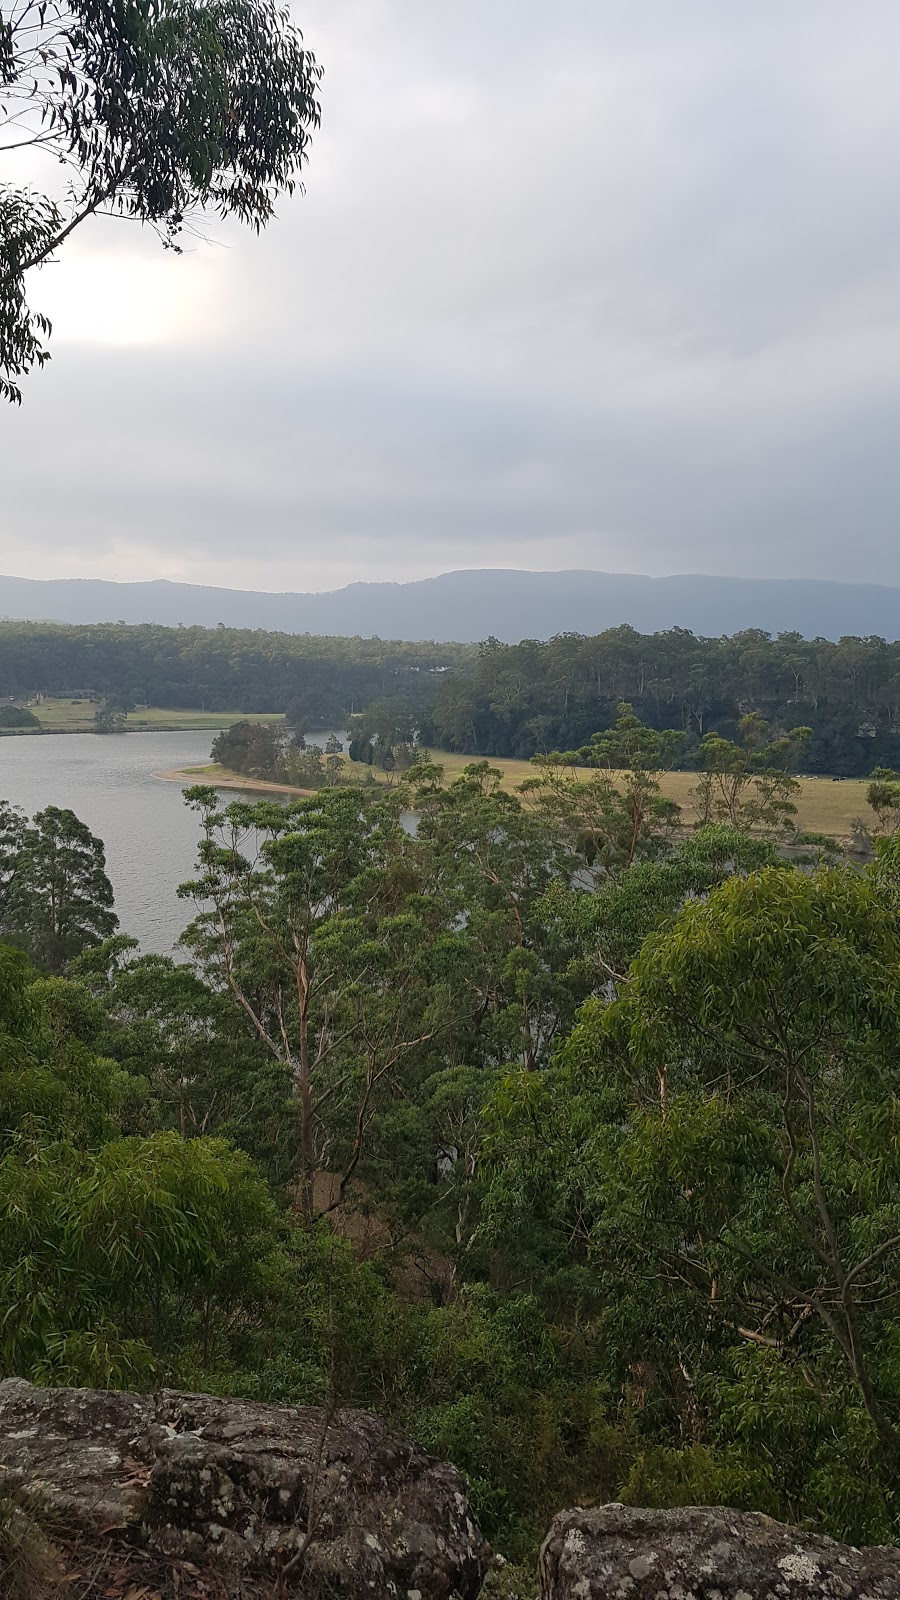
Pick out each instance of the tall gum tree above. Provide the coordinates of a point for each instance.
(59, 900)
(309, 916)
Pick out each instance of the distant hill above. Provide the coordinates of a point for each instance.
(473, 605)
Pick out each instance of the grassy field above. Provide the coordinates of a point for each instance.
(77, 716)
(825, 805)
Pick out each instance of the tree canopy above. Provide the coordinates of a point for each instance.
(55, 897)
(581, 1167)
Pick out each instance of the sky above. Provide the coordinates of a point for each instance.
(604, 283)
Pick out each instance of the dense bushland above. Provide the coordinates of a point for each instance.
(565, 1138)
(492, 699)
(317, 681)
(520, 700)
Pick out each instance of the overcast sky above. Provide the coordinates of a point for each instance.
(602, 283)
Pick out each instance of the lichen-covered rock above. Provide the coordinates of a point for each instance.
(335, 1504)
(704, 1553)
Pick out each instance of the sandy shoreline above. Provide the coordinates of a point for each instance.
(230, 780)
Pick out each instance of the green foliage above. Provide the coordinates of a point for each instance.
(95, 1230)
(515, 1402)
(310, 919)
(489, 862)
(254, 748)
(718, 1148)
(701, 1476)
(618, 817)
(12, 830)
(493, 700)
(58, 899)
(610, 925)
(28, 226)
(533, 698)
(112, 1257)
(747, 785)
(190, 1063)
(587, 1179)
(883, 795)
(110, 719)
(18, 717)
(306, 769)
(385, 735)
(316, 682)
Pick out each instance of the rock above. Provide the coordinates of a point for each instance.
(704, 1553)
(334, 1504)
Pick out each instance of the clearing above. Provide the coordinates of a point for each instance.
(825, 805)
(77, 716)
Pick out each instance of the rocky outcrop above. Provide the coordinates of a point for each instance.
(704, 1553)
(328, 1504)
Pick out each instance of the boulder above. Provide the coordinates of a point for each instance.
(704, 1553)
(330, 1503)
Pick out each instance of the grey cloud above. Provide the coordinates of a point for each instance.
(589, 285)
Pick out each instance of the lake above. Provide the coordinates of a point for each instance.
(111, 783)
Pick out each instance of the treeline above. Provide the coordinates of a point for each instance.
(220, 669)
(493, 699)
(526, 699)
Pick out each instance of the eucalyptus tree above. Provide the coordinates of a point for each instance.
(154, 111)
(490, 861)
(310, 917)
(111, 1249)
(12, 828)
(883, 796)
(749, 784)
(765, 1025)
(192, 1065)
(254, 748)
(110, 718)
(609, 925)
(618, 815)
(60, 900)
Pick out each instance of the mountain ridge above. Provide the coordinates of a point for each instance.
(476, 603)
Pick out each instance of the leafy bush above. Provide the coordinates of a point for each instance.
(18, 717)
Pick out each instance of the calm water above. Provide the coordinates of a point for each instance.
(111, 783)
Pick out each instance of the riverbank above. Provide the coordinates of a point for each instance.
(218, 777)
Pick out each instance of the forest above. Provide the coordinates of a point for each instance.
(492, 699)
(219, 669)
(519, 700)
(564, 1138)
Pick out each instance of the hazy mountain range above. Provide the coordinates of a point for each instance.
(473, 605)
